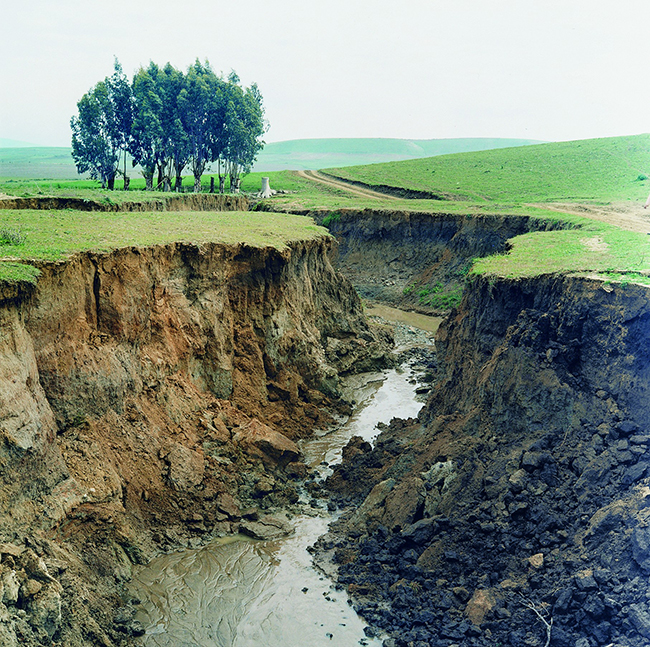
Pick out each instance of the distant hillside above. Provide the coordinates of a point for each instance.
(313, 154)
(50, 163)
(298, 154)
(14, 143)
(611, 168)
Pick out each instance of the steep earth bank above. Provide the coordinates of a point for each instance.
(150, 397)
(516, 509)
(172, 202)
(418, 260)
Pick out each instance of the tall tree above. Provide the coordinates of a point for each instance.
(93, 147)
(201, 106)
(147, 133)
(101, 129)
(244, 127)
(121, 96)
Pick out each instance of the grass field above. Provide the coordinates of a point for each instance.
(53, 235)
(594, 169)
(592, 248)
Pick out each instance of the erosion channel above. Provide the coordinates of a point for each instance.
(156, 398)
(239, 591)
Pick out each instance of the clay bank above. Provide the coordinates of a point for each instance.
(151, 397)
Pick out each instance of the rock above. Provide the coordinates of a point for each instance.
(536, 561)
(258, 439)
(582, 642)
(641, 547)
(585, 580)
(372, 506)
(11, 587)
(30, 588)
(640, 618)
(403, 503)
(627, 427)
(421, 532)
(267, 527)
(480, 604)
(563, 600)
(186, 468)
(461, 593)
(45, 609)
(534, 460)
(518, 481)
(227, 504)
(296, 470)
(634, 473)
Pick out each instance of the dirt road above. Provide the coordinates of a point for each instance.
(316, 176)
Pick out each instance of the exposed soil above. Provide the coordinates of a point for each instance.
(150, 398)
(170, 202)
(629, 216)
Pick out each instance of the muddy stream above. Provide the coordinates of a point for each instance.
(240, 592)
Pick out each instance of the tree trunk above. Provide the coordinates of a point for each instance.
(212, 184)
(127, 181)
(178, 187)
(148, 178)
(222, 183)
(160, 176)
(197, 184)
(167, 185)
(111, 183)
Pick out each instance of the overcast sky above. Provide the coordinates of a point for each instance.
(539, 69)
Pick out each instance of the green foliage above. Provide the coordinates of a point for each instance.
(11, 236)
(408, 290)
(331, 217)
(167, 120)
(439, 297)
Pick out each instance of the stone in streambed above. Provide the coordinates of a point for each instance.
(258, 439)
(267, 527)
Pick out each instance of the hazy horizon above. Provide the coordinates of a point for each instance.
(426, 69)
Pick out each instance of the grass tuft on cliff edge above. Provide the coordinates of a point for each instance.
(54, 235)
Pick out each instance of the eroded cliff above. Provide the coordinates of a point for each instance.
(147, 396)
(520, 497)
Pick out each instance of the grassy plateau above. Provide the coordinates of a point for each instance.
(27, 235)
(545, 181)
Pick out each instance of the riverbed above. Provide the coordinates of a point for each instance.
(238, 592)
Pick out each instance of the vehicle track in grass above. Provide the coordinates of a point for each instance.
(316, 176)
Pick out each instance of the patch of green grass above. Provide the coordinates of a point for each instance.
(53, 235)
(594, 248)
(440, 298)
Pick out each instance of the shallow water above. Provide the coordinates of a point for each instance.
(245, 593)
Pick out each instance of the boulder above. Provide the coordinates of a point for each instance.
(186, 468)
(258, 439)
(267, 527)
(404, 503)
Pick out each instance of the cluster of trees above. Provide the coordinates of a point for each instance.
(167, 122)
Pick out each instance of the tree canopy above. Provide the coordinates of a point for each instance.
(167, 121)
